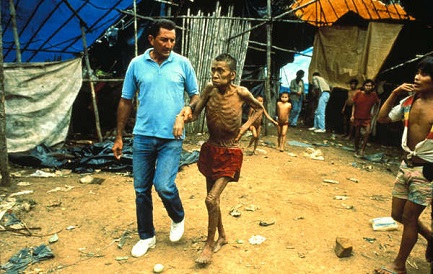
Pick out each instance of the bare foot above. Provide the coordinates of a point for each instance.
(391, 269)
(205, 256)
(219, 243)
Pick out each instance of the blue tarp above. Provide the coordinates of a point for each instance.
(50, 30)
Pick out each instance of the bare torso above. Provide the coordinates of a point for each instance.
(283, 112)
(350, 94)
(224, 114)
(420, 121)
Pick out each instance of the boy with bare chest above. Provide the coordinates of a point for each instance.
(221, 157)
(413, 187)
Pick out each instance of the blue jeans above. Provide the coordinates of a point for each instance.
(319, 114)
(155, 161)
(294, 113)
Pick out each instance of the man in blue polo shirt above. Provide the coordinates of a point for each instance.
(159, 77)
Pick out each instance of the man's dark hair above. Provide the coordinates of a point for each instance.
(161, 23)
(355, 81)
(369, 81)
(426, 66)
(300, 73)
(316, 73)
(230, 60)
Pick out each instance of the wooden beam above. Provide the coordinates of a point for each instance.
(4, 164)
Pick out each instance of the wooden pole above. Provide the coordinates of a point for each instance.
(92, 88)
(135, 29)
(4, 164)
(268, 60)
(15, 30)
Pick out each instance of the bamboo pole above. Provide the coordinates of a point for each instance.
(135, 29)
(92, 88)
(15, 30)
(4, 164)
(268, 60)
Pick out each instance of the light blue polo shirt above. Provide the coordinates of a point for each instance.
(160, 92)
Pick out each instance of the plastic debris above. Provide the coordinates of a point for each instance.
(384, 224)
(42, 174)
(266, 223)
(24, 192)
(53, 238)
(256, 240)
(315, 154)
(330, 181)
(27, 256)
(353, 180)
(65, 188)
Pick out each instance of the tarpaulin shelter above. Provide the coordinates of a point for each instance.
(324, 13)
(346, 49)
(50, 30)
(44, 39)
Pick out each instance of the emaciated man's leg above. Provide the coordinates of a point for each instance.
(214, 190)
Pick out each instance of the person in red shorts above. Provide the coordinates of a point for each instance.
(365, 102)
(220, 159)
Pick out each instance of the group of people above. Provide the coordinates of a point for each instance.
(361, 105)
(160, 77)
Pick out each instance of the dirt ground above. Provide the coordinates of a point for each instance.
(308, 203)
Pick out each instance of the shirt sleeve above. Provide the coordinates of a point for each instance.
(396, 113)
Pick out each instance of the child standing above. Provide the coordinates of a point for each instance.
(283, 114)
(256, 126)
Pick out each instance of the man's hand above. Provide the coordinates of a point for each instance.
(406, 87)
(179, 124)
(117, 148)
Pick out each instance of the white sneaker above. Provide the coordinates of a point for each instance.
(177, 230)
(312, 128)
(141, 247)
(320, 130)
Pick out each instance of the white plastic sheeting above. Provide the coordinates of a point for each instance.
(39, 98)
(302, 61)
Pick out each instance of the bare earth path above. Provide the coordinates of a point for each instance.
(284, 189)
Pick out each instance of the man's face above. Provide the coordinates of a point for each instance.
(163, 43)
(221, 73)
(368, 87)
(423, 82)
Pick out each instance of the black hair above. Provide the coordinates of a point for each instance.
(160, 23)
(300, 73)
(426, 66)
(369, 81)
(316, 73)
(230, 60)
(354, 81)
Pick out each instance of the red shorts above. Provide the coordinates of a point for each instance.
(215, 162)
(361, 122)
